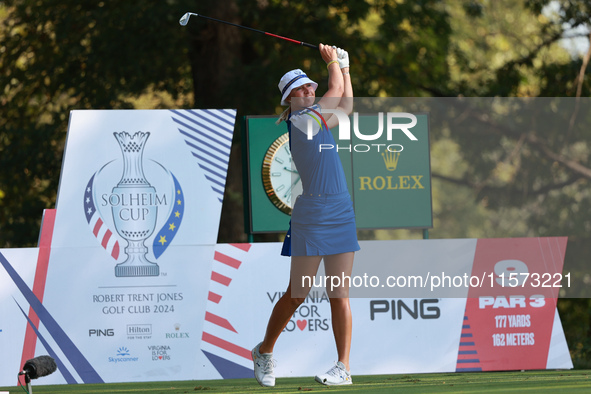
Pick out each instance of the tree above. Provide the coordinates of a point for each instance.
(57, 56)
(531, 178)
(63, 55)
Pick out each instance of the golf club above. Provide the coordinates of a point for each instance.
(185, 19)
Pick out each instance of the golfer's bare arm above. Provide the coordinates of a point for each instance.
(340, 89)
(336, 83)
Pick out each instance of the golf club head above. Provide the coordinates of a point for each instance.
(185, 18)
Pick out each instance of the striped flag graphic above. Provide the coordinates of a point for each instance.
(209, 135)
(468, 360)
(171, 226)
(221, 341)
(105, 236)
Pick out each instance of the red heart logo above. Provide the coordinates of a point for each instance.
(302, 324)
(160, 357)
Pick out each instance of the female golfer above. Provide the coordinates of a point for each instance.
(322, 221)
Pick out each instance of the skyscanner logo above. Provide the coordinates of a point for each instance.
(121, 357)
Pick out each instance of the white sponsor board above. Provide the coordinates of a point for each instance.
(125, 261)
(14, 308)
(125, 166)
(224, 311)
(128, 284)
(390, 334)
(381, 343)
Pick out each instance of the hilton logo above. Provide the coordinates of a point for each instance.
(134, 197)
(139, 331)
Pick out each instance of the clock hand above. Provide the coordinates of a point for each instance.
(290, 170)
(291, 187)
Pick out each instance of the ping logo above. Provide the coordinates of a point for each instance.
(109, 332)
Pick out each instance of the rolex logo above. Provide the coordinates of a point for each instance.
(391, 159)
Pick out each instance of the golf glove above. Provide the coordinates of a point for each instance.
(343, 58)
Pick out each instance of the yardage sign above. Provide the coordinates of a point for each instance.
(388, 173)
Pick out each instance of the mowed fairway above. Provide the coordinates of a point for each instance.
(477, 382)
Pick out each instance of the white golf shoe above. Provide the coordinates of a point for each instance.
(335, 376)
(263, 367)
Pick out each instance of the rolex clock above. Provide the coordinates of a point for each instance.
(281, 180)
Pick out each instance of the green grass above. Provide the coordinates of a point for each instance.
(476, 382)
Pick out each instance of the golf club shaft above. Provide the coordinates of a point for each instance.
(258, 31)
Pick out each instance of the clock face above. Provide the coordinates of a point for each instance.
(280, 177)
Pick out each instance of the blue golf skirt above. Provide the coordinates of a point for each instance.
(321, 224)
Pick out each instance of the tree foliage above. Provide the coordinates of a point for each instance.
(56, 56)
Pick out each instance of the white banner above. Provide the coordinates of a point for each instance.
(221, 308)
(390, 334)
(124, 263)
(381, 343)
(14, 307)
(128, 284)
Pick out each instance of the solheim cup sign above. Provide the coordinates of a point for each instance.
(134, 206)
(135, 230)
(142, 180)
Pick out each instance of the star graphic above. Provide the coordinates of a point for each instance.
(177, 214)
(162, 239)
(178, 202)
(89, 211)
(171, 226)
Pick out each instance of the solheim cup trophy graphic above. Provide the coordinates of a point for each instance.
(135, 213)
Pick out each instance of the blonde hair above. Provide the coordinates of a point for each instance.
(284, 116)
